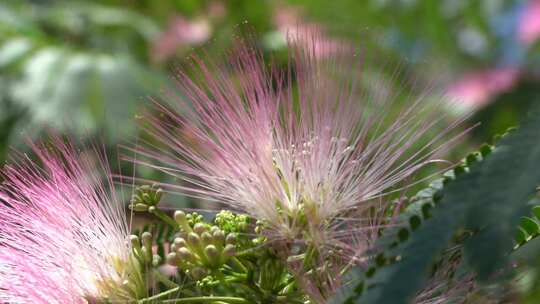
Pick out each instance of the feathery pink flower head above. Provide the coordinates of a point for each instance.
(63, 237)
(297, 149)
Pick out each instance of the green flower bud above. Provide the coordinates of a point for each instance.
(194, 239)
(147, 253)
(151, 209)
(212, 253)
(180, 242)
(231, 238)
(158, 194)
(147, 239)
(214, 229)
(194, 218)
(135, 199)
(242, 226)
(199, 228)
(172, 259)
(147, 195)
(257, 241)
(229, 251)
(198, 273)
(219, 237)
(135, 242)
(181, 219)
(207, 238)
(185, 254)
(156, 260)
(138, 207)
(179, 216)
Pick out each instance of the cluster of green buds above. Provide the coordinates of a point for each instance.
(145, 198)
(200, 247)
(230, 222)
(132, 271)
(208, 282)
(142, 251)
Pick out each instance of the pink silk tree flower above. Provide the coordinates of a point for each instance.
(274, 148)
(290, 23)
(477, 89)
(303, 149)
(63, 236)
(528, 29)
(181, 33)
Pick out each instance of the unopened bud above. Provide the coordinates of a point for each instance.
(180, 242)
(219, 236)
(229, 251)
(151, 209)
(211, 252)
(179, 216)
(231, 238)
(135, 242)
(206, 238)
(138, 207)
(198, 273)
(156, 260)
(172, 258)
(199, 228)
(158, 194)
(194, 239)
(181, 219)
(257, 241)
(185, 254)
(242, 226)
(147, 239)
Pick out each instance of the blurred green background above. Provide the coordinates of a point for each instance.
(90, 68)
(87, 67)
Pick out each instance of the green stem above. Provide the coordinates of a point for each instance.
(164, 217)
(247, 252)
(230, 300)
(159, 296)
(239, 264)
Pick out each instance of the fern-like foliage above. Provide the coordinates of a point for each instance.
(529, 226)
(418, 210)
(489, 198)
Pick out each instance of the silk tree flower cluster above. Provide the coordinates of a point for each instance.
(63, 237)
(308, 156)
(306, 152)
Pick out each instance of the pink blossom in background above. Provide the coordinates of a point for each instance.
(63, 237)
(476, 89)
(180, 33)
(529, 23)
(290, 24)
(217, 10)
